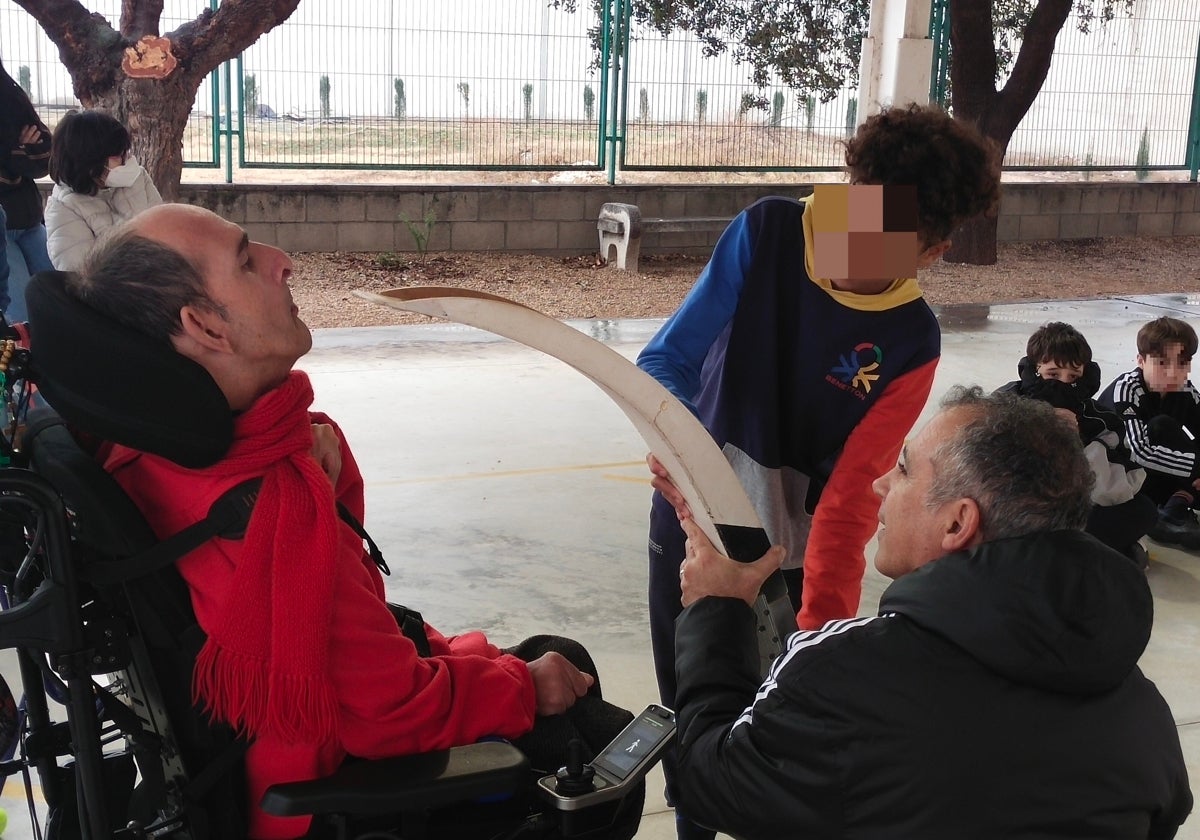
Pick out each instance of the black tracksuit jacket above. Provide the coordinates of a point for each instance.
(997, 694)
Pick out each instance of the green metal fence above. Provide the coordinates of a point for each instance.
(1123, 96)
(517, 85)
(23, 44)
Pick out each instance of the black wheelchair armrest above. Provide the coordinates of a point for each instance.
(406, 784)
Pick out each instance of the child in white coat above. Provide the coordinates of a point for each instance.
(97, 185)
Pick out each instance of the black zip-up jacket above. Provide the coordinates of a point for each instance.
(997, 695)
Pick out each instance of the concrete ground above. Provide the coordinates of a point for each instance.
(509, 494)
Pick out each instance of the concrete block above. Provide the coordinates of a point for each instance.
(1176, 198)
(1021, 199)
(274, 206)
(1140, 198)
(1155, 224)
(1064, 199)
(226, 203)
(687, 240)
(1118, 224)
(577, 236)
(411, 206)
(531, 236)
(596, 197)
(477, 236)
(382, 207)
(307, 236)
(711, 203)
(1008, 228)
(507, 205)
(1187, 224)
(459, 206)
(1035, 227)
(335, 207)
(558, 206)
(674, 205)
(1079, 226)
(366, 236)
(263, 232)
(439, 237)
(1105, 199)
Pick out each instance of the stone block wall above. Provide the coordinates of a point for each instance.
(561, 220)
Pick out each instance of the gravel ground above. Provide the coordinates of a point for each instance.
(582, 287)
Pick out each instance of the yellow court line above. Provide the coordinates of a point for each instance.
(509, 473)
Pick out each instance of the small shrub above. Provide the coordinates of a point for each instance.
(399, 99)
(527, 100)
(589, 103)
(464, 91)
(851, 115)
(701, 105)
(250, 95)
(390, 260)
(421, 231)
(750, 102)
(777, 109)
(24, 80)
(1143, 156)
(643, 105)
(810, 112)
(323, 86)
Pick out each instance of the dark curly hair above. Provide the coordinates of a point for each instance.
(1059, 343)
(83, 142)
(955, 168)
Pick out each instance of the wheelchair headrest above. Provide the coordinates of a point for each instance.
(120, 385)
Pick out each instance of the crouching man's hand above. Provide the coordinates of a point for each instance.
(705, 571)
(557, 683)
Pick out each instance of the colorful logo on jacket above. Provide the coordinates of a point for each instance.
(856, 369)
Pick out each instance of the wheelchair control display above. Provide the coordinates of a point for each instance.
(617, 769)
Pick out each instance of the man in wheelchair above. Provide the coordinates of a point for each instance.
(302, 656)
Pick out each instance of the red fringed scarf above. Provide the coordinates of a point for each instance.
(265, 666)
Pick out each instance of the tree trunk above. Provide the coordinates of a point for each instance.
(974, 242)
(155, 110)
(996, 113)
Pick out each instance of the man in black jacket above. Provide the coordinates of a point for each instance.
(997, 692)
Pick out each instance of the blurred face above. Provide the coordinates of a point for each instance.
(910, 531)
(1059, 372)
(1167, 372)
(110, 164)
(249, 280)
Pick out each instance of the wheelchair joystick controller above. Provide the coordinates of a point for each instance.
(576, 778)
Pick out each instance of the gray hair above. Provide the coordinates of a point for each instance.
(141, 284)
(1021, 464)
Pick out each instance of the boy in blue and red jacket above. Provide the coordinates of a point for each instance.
(809, 362)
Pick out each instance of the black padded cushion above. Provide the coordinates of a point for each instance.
(120, 385)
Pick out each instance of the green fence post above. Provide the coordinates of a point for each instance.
(939, 33)
(1193, 142)
(619, 38)
(605, 58)
(626, 43)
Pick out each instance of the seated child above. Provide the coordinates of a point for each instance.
(1058, 369)
(1161, 411)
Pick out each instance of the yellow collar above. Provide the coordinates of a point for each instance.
(901, 291)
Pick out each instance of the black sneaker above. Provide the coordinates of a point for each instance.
(1170, 531)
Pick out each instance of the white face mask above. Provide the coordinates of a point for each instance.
(124, 175)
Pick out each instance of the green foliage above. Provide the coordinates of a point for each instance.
(810, 45)
(250, 95)
(810, 112)
(701, 105)
(390, 260)
(750, 102)
(1143, 156)
(421, 231)
(777, 109)
(399, 99)
(851, 115)
(464, 90)
(643, 105)
(527, 100)
(326, 111)
(589, 103)
(24, 80)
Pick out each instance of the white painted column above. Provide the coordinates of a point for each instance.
(897, 55)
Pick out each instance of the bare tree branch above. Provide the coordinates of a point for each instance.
(140, 17)
(214, 37)
(87, 44)
(1033, 61)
